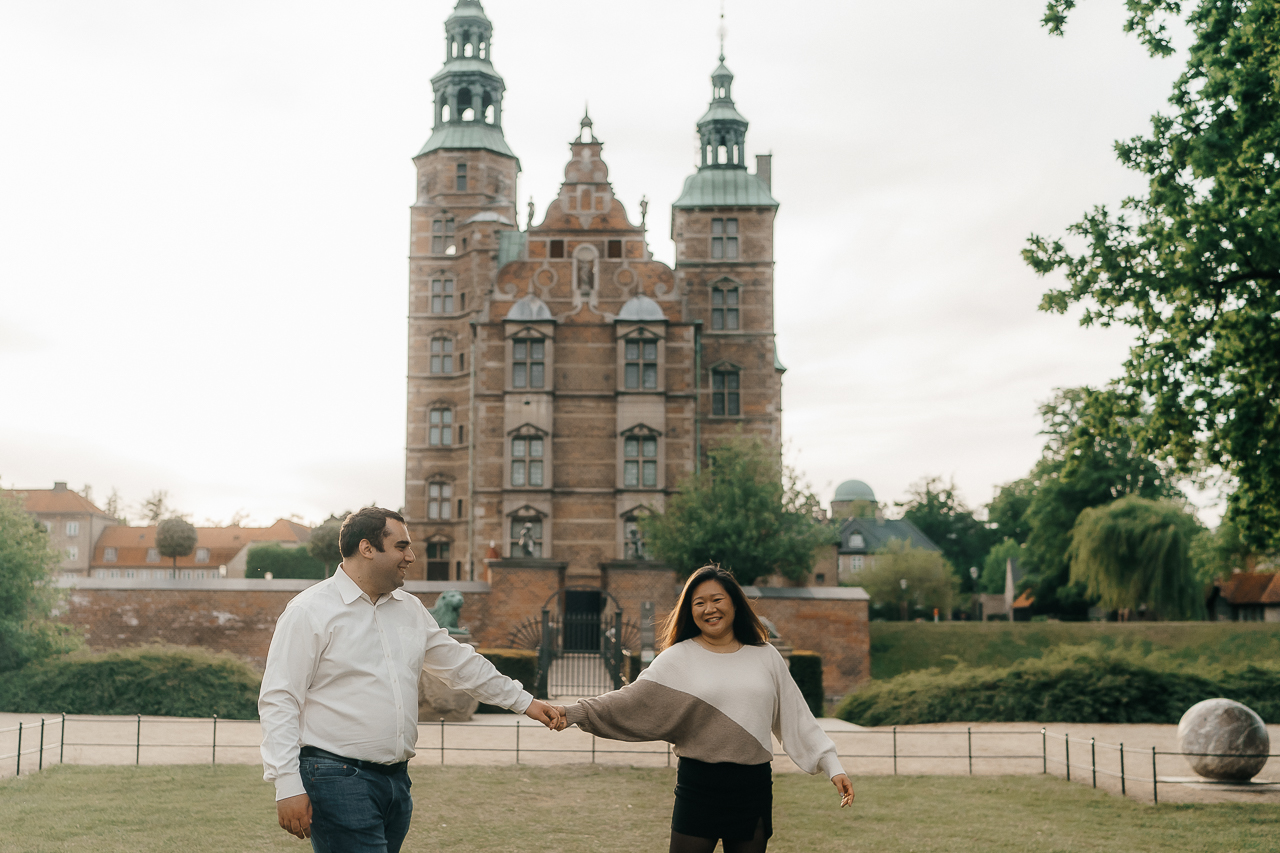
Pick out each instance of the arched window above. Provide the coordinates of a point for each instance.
(489, 114)
(484, 50)
(526, 461)
(454, 48)
(442, 355)
(735, 154)
(467, 49)
(440, 428)
(722, 154)
(440, 501)
(444, 113)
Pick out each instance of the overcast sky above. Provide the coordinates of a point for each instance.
(204, 210)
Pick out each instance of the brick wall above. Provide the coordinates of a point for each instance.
(831, 622)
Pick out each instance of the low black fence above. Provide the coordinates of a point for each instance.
(40, 742)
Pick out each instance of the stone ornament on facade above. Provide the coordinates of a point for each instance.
(1231, 740)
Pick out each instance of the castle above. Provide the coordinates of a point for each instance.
(561, 382)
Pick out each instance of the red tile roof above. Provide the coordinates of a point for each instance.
(54, 500)
(132, 543)
(1251, 588)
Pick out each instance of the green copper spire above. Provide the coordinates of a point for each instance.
(468, 91)
(722, 129)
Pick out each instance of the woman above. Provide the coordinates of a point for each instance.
(716, 692)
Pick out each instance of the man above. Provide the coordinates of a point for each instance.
(339, 701)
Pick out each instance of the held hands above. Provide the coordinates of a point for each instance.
(551, 716)
(845, 787)
(294, 814)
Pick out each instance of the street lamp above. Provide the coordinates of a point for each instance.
(977, 605)
(904, 599)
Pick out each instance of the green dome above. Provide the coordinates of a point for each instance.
(854, 490)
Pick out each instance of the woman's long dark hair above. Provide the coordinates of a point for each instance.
(679, 626)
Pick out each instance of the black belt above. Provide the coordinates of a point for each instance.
(384, 769)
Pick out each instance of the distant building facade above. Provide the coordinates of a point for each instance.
(561, 382)
(862, 530)
(1246, 597)
(73, 521)
(130, 553)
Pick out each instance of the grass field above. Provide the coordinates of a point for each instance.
(580, 809)
(898, 647)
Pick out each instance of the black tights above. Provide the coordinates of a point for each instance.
(693, 844)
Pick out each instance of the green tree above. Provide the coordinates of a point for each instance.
(940, 513)
(28, 593)
(1192, 265)
(283, 563)
(175, 537)
(323, 544)
(1218, 553)
(931, 582)
(745, 510)
(1072, 475)
(1135, 552)
(991, 580)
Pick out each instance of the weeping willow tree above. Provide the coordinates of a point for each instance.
(1136, 551)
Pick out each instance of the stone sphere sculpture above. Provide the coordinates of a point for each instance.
(1225, 729)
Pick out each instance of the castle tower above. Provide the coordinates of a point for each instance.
(722, 225)
(463, 215)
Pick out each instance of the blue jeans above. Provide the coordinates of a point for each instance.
(355, 811)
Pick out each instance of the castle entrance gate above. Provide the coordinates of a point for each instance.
(580, 653)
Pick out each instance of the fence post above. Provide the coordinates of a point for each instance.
(1067, 740)
(1093, 760)
(62, 737)
(214, 762)
(668, 755)
(18, 771)
(442, 741)
(593, 749)
(1044, 750)
(1155, 794)
(137, 756)
(40, 759)
(518, 737)
(895, 750)
(1122, 768)
(969, 732)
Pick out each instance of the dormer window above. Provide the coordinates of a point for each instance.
(724, 239)
(856, 541)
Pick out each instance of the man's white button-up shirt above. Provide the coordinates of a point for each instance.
(342, 675)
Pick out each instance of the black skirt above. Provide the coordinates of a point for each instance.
(723, 800)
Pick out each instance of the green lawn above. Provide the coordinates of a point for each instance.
(898, 647)
(581, 809)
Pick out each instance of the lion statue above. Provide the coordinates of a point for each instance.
(446, 611)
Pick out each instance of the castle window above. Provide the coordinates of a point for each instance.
(442, 236)
(444, 112)
(153, 555)
(441, 355)
(615, 248)
(724, 239)
(202, 555)
(724, 393)
(724, 308)
(73, 528)
(488, 114)
(484, 49)
(108, 555)
(722, 154)
(466, 49)
(856, 541)
(642, 364)
(73, 553)
(462, 177)
(439, 501)
(437, 561)
(525, 540)
(640, 462)
(527, 363)
(454, 52)
(440, 428)
(442, 296)
(526, 461)
(556, 249)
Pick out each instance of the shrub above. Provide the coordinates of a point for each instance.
(166, 681)
(283, 563)
(520, 664)
(1081, 684)
(806, 669)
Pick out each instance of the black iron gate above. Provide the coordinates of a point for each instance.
(581, 652)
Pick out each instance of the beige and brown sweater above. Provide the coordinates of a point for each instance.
(715, 708)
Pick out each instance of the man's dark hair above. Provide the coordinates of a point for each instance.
(369, 523)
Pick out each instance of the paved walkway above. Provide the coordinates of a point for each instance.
(985, 749)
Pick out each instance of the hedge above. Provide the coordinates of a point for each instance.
(520, 664)
(806, 669)
(169, 681)
(1080, 684)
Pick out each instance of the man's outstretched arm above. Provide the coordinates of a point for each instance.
(551, 716)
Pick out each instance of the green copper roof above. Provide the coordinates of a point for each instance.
(510, 246)
(777, 362)
(470, 134)
(463, 65)
(721, 111)
(719, 187)
(468, 9)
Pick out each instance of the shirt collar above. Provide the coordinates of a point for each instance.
(350, 590)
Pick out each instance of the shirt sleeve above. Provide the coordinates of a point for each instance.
(795, 728)
(291, 662)
(463, 668)
(640, 711)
